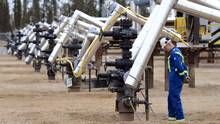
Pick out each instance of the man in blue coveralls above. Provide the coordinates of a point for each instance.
(177, 73)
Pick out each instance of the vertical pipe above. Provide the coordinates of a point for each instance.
(192, 75)
(85, 45)
(133, 8)
(191, 63)
(151, 72)
(151, 40)
(146, 94)
(89, 79)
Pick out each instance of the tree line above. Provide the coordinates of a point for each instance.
(40, 10)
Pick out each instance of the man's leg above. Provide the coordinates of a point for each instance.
(171, 108)
(171, 105)
(177, 101)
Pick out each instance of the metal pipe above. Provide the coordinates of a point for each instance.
(87, 41)
(91, 36)
(139, 41)
(45, 46)
(85, 25)
(77, 14)
(77, 35)
(141, 37)
(42, 42)
(29, 58)
(57, 48)
(22, 46)
(63, 38)
(90, 19)
(85, 46)
(197, 10)
(209, 3)
(32, 36)
(96, 42)
(30, 45)
(39, 53)
(33, 47)
(81, 30)
(142, 20)
(157, 22)
(61, 26)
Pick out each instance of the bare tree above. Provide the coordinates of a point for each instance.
(4, 16)
(17, 13)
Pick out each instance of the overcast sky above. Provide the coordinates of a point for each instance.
(10, 2)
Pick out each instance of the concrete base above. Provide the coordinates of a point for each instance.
(74, 89)
(126, 116)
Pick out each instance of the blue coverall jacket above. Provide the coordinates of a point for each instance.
(177, 72)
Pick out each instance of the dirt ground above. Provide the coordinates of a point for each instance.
(27, 97)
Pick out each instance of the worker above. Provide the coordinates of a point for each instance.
(177, 73)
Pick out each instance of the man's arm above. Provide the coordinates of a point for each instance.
(179, 64)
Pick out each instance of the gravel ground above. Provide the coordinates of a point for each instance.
(27, 97)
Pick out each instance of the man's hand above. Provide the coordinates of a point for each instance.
(188, 79)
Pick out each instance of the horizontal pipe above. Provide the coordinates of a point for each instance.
(90, 19)
(85, 25)
(197, 10)
(215, 4)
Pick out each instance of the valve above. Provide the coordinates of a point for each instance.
(51, 67)
(71, 82)
(126, 97)
(19, 35)
(37, 61)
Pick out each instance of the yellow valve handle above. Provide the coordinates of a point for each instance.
(67, 60)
